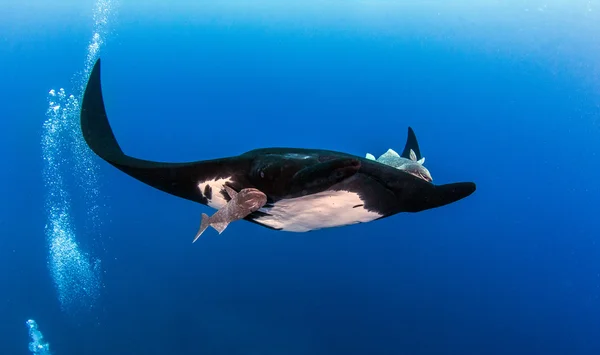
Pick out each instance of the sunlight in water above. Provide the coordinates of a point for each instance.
(37, 344)
(67, 159)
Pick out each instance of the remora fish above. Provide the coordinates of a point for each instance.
(410, 160)
(241, 204)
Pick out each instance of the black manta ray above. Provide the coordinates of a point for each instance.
(306, 189)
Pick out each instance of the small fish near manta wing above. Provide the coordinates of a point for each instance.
(306, 189)
(239, 206)
(410, 161)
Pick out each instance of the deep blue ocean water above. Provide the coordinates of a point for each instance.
(505, 95)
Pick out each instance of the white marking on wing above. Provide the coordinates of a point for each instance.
(297, 156)
(322, 210)
(217, 201)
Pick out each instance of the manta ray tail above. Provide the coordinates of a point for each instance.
(411, 143)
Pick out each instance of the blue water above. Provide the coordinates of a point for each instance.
(504, 95)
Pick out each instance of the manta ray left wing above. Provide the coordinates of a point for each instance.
(179, 179)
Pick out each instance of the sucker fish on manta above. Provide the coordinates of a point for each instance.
(306, 189)
(410, 160)
(241, 204)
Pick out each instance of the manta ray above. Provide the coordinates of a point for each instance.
(304, 189)
(410, 160)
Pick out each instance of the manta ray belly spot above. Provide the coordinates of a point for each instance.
(322, 210)
(211, 190)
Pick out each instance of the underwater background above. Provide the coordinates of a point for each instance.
(505, 94)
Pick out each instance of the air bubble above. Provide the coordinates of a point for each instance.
(75, 273)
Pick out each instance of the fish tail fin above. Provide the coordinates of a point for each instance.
(204, 223)
(220, 227)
